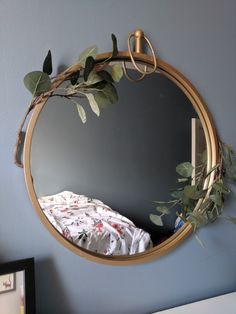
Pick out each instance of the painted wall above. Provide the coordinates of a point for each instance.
(197, 37)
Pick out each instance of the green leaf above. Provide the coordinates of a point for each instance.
(115, 49)
(37, 82)
(163, 209)
(189, 191)
(116, 72)
(220, 187)
(106, 96)
(89, 65)
(110, 91)
(163, 202)
(74, 77)
(204, 157)
(102, 99)
(106, 76)
(199, 194)
(230, 169)
(157, 220)
(180, 180)
(93, 104)
(217, 199)
(93, 78)
(90, 51)
(185, 169)
(197, 219)
(47, 64)
(177, 194)
(232, 219)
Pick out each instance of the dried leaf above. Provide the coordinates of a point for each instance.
(81, 113)
(93, 104)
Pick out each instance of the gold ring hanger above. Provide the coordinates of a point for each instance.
(138, 36)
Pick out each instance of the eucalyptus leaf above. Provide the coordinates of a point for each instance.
(110, 91)
(204, 157)
(74, 77)
(115, 49)
(197, 219)
(106, 76)
(163, 209)
(106, 96)
(220, 187)
(90, 51)
(180, 180)
(232, 219)
(93, 78)
(177, 194)
(116, 72)
(185, 169)
(157, 220)
(93, 104)
(80, 110)
(81, 113)
(89, 65)
(37, 82)
(189, 191)
(230, 171)
(217, 199)
(47, 64)
(199, 194)
(102, 100)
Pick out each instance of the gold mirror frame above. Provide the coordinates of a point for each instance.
(212, 159)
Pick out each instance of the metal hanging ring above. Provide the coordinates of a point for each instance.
(145, 72)
(129, 77)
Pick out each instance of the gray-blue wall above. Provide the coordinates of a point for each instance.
(197, 37)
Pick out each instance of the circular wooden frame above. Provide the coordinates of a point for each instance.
(212, 153)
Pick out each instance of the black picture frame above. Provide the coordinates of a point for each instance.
(26, 265)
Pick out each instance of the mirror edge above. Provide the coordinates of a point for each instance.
(212, 151)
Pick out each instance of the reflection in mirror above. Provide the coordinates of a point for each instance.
(96, 182)
(12, 293)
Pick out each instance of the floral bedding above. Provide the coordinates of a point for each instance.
(94, 226)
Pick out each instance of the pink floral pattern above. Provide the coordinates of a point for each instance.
(94, 226)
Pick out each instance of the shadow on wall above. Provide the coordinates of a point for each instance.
(49, 287)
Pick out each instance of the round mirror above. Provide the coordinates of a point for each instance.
(94, 184)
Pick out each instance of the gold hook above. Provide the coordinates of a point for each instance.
(138, 35)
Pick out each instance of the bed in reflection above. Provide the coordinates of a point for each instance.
(94, 226)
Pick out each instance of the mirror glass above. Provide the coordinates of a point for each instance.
(96, 182)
